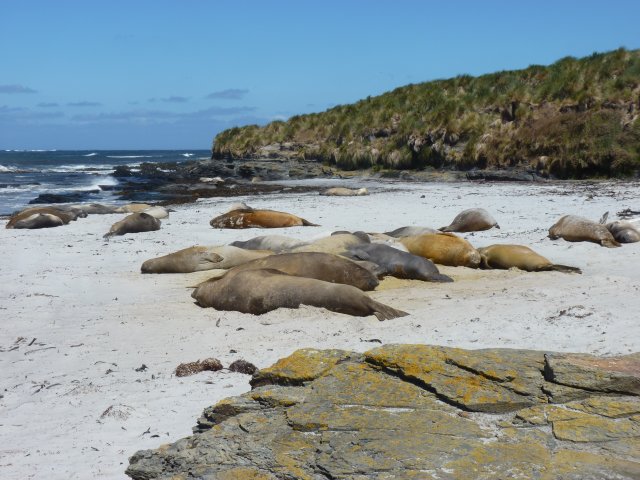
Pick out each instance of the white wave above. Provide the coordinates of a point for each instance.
(4, 169)
(78, 168)
(187, 154)
(129, 156)
(90, 154)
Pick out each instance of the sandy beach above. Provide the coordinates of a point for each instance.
(89, 345)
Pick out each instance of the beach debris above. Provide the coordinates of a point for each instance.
(242, 366)
(118, 412)
(141, 368)
(627, 212)
(191, 368)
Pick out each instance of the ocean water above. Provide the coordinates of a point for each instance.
(24, 174)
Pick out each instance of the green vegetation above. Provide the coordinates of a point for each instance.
(576, 118)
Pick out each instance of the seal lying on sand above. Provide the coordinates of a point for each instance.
(64, 216)
(521, 257)
(321, 266)
(578, 229)
(444, 249)
(336, 243)
(410, 231)
(624, 231)
(472, 220)
(345, 192)
(197, 259)
(39, 220)
(251, 218)
(397, 263)
(134, 223)
(275, 243)
(157, 212)
(133, 208)
(260, 291)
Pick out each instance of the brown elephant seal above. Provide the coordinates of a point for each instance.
(521, 257)
(578, 229)
(397, 263)
(261, 291)
(64, 216)
(336, 243)
(251, 218)
(410, 231)
(93, 208)
(197, 259)
(275, 243)
(321, 266)
(39, 220)
(624, 231)
(134, 223)
(471, 220)
(444, 249)
(345, 192)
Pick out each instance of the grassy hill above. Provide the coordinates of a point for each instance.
(576, 118)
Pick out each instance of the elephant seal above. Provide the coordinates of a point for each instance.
(134, 223)
(275, 243)
(578, 229)
(471, 220)
(157, 212)
(336, 243)
(321, 266)
(250, 218)
(261, 291)
(624, 231)
(521, 257)
(345, 192)
(397, 263)
(410, 231)
(93, 208)
(39, 220)
(197, 259)
(133, 208)
(444, 249)
(64, 216)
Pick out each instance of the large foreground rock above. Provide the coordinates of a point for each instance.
(418, 412)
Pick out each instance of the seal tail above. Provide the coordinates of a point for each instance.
(307, 223)
(610, 243)
(385, 312)
(440, 277)
(444, 229)
(108, 235)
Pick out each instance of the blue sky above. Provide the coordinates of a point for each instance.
(112, 74)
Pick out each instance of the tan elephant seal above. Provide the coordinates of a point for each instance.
(624, 231)
(578, 229)
(251, 218)
(133, 208)
(275, 243)
(64, 216)
(345, 192)
(261, 291)
(157, 212)
(444, 249)
(336, 243)
(93, 208)
(197, 259)
(471, 220)
(410, 231)
(521, 257)
(321, 266)
(134, 223)
(39, 220)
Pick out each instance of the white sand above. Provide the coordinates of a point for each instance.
(83, 309)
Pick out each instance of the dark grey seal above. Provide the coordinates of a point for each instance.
(397, 263)
(134, 223)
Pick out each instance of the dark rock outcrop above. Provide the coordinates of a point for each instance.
(416, 411)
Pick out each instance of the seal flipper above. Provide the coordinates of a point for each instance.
(610, 243)
(307, 223)
(440, 277)
(385, 312)
(559, 268)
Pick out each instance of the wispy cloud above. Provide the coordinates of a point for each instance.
(21, 114)
(48, 104)
(229, 94)
(11, 89)
(163, 116)
(171, 99)
(84, 103)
